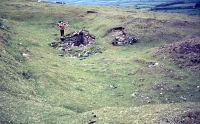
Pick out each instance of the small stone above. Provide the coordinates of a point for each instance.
(183, 98)
(148, 101)
(91, 122)
(156, 64)
(26, 55)
(130, 74)
(61, 54)
(133, 94)
(26, 75)
(141, 79)
(113, 86)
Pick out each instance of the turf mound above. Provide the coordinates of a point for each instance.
(185, 53)
(190, 117)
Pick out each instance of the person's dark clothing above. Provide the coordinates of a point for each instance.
(62, 32)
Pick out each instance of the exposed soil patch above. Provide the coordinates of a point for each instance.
(185, 54)
(119, 29)
(89, 12)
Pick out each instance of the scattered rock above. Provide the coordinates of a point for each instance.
(61, 54)
(82, 52)
(141, 79)
(94, 115)
(92, 122)
(26, 55)
(113, 86)
(183, 98)
(124, 39)
(141, 96)
(153, 64)
(150, 64)
(2, 26)
(165, 87)
(135, 94)
(26, 75)
(198, 89)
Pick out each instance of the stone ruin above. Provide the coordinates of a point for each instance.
(124, 39)
(121, 37)
(77, 38)
(73, 45)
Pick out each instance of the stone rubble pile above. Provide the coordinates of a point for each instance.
(77, 38)
(122, 38)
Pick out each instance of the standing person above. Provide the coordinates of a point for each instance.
(61, 26)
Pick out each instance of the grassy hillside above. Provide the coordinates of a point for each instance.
(119, 85)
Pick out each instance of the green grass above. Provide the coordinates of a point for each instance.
(67, 89)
